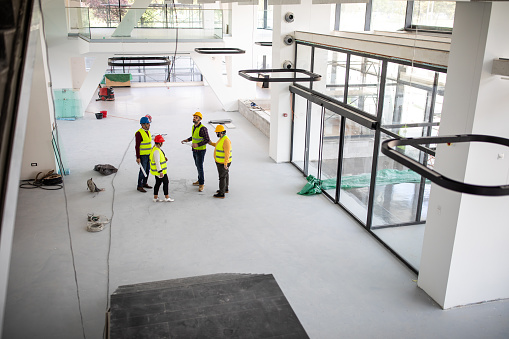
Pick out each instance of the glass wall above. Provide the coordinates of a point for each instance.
(364, 83)
(356, 169)
(299, 132)
(335, 75)
(331, 135)
(385, 100)
(315, 140)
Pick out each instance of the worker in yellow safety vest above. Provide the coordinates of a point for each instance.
(159, 169)
(223, 158)
(200, 138)
(143, 146)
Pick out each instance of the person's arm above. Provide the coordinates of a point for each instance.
(212, 143)
(205, 135)
(137, 146)
(227, 146)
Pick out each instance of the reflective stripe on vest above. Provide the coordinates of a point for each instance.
(220, 150)
(196, 137)
(146, 142)
(162, 161)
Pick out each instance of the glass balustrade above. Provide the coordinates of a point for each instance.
(152, 23)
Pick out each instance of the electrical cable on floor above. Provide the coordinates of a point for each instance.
(63, 183)
(109, 242)
(32, 183)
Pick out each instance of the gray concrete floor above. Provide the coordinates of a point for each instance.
(339, 280)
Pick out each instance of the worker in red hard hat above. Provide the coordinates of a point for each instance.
(223, 158)
(200, 138)
(159, 169)
(143, 146)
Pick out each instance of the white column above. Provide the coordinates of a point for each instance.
(465, 250)
(308, 17)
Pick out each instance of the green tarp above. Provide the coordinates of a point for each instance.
(383, 177)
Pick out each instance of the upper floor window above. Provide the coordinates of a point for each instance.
(395, 15)
(388, 15)
(433, 15)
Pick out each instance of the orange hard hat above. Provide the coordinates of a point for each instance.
(220, 128)
(198, 114)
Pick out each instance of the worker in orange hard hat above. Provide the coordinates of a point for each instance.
(159, 169)
(200, 138)
(223, 158)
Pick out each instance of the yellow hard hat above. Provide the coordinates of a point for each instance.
(198, 114)
(219, 128)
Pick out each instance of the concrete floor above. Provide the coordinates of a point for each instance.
(339, 280)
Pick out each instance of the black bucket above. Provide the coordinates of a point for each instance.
(99, 115)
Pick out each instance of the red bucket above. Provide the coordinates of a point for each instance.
(105, 113)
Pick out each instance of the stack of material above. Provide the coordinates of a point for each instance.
(211, 306)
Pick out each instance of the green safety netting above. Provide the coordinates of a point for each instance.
(383, 177)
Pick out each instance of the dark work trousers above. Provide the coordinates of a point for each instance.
(145, 162)
(224, 177)
(199, 157)
(165, 181)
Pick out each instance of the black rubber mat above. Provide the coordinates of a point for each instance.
(212, 306)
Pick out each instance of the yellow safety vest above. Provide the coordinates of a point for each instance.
(162, 161)
(220, 151)
(146, 142)
(196, 137)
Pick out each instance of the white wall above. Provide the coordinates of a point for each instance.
(464, 258)
(38, 147)
(308, 17)
(12, 186)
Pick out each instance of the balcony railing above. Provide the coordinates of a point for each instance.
(152, 23)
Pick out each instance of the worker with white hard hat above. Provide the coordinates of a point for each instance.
(223, 159)
(200, 138)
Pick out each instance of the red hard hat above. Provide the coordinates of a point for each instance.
(159, 139)
(149, 118)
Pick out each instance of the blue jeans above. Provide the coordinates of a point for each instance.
(199, 158)
(145, 163)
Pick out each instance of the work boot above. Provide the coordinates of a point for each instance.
(147, 186)
(197, 183)
(224, 191)
(219, 195)
(200, 188)
(141, 189)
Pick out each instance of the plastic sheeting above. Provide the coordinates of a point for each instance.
(383, 177)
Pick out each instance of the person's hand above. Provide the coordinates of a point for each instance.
(195, 145)
(165, 158)
(183, 141)
(138, 161)
(225, 166)
(161, 175)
